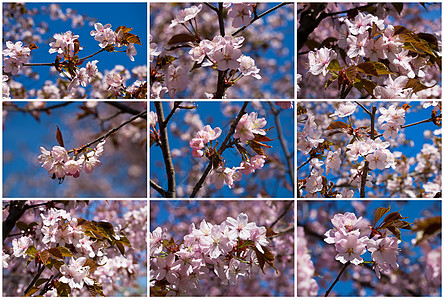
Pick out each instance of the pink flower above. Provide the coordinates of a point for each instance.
(104, 34)
(90, 162)
(209, 134)
(377, 160)
(241, 14)
(186, 14)
(240, 228)
(357, 45)
(131, 51)
(176, 79)
(91, 68)
(248, 67)
(12, 65)
(361, 23)
(384, 253)
(320, 60)
(244, 129)
(197, 143)
(227, 58)
(257, 123)
(73, 167)
(333, 161)
(351, 247)
(222, 175)
(114, 80)
(390, 129)
(344, 110)
(156, 238)
(258, 161)
(219, 244)
(21, 245)
(197, 153)
(259, 236)
(285, 104)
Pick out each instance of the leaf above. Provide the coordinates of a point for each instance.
(330, 81)
(365, 84)
(381, 68)
(31, 250)
(132, 38)
(33, 46)
(63, 289)
(351, 73)
(56, 253)
(368, 68)
(416, 85)
(270, 232)
(402, 225)
(76, 46)
(110, 48)
(392, 217)
(124, 28)
(121, 248)
(301, 110)
(430, 38)
(396, 232)
(380, 212)
(91, 290)
(427, 227)
(406, 106)
(41, 281)
(21, 225)
(181, 38)
(65, 252)
(44, 256)
(336, 125)
(59, 137)
(400, 30)
(31, 291)
(266, 257)
(334, 65)
(124, 240)
(262, 138)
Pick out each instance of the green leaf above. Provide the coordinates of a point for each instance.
(65, 251)
(31, 291)
(330, 81)
(380, 212)
(21, 225)
(351, 73)
(31, 251)
(124, 240)
(365, 84)
(41, 281)
(381, 68)
(120, 247)
(334, 65)
(63, 289)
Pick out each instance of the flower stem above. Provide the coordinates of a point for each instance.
(337, 279)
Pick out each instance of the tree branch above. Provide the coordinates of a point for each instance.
(113, 130)
(171, 193)
(283, 213)
(366, 164)
(125, 108)
(16, 210)
(337, 278)
(158, 188)
(36, 277)
(44, 109)
(222, 148)
(283, 143)
(220, 89)
(175, 107)
(260, 16)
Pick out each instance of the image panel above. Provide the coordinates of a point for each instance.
(79, 248)
(222, 248)
(74, 149)
(369, 51)
(74, 50)
(210, 149)
(222, 50)
(363, 149)
(369, 248)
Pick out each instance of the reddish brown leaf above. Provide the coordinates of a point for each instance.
(380, 212)
(337, 124)
(181, 38)
(59, 137)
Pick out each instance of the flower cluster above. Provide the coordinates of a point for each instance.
(59, 164)
(375, 48)
(83, 75)
(247, 129)
(351, 243)
(18, 55)
(394, 118)
(230, 250)
(65, 45)
(307, 286)
(106, 36)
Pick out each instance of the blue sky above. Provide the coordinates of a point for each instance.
(211, 114)
(127, 14)
(414, 133)
(413, 209)
(22, 137)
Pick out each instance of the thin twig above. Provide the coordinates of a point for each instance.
(283, 143)
(111, 131)
(45, 109)
(366, 164)
(282, 214)
(222, 148)
(260, 16)
(212, 6)
(125, 108)
(175, 107)
(337, 278)
(220, 89)
(158, 188)
(416, 123)
(171, 193)
(36, 277)
(364, 108)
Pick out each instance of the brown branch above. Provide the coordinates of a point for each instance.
(222, 148)
(125, 108)
(283, 143)
(16, 210)
(158, 188)
(171, 192)
(282, 214)
(366, 164)
(337, 278)
(175, 107)
(36, 277)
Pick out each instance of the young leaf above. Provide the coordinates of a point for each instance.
(65, 252)
(181, 38)
(44, 256)
(31, 291)
(336, 125)
(427, 227)
(56, 253)
(396, 232)
(380, 212)
(41, 281)
(59, 137)
(351, 73)
(334, 65)
(266, 257)
(368, 68)
(270, 232)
